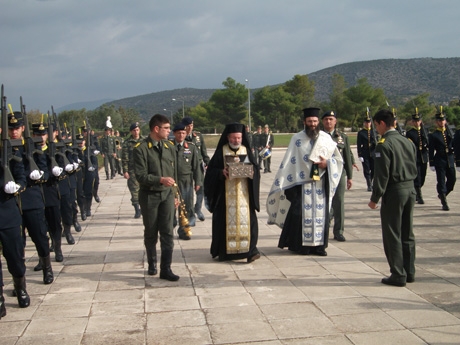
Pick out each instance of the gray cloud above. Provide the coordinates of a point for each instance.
(66, 51)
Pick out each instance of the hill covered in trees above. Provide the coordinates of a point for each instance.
(400, 79)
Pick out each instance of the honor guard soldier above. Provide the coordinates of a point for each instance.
(441, 154)
(108, 151)
(329, 120)
(118, 148)
(32, 199)
(419, 137)
(10, 226)
(127, 162)
(196, 138)
(366, 141)
(258, 146)
(266, 141)
(51, 193)
(90, 150)
(189, 175)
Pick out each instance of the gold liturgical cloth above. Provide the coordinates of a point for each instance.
(238, 220)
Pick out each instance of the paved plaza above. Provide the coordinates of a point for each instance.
(103, 295)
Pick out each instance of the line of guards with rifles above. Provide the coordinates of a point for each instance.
(44, 176)
(440, 150)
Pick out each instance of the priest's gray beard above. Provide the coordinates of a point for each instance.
(312, 133)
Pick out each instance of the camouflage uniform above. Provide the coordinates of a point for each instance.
(127, 162)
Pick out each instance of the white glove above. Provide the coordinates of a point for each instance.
(35, 175)
(432, 168)
(361, 159)
(75, 165)
(91, 168)
(69, 167)
(79, 161)
(57, 171)
(11, 187)
(458, 169)
(96, 152)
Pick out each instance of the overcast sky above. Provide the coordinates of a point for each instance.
(58, 52)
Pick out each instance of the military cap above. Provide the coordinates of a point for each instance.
(134, 126)
(440, 115)
(310, 112)
(15, 120)
(179, 127)
(39, 128)
(329, 113)
(83, 129)
(187, 120)
(416, 116)
(80, 136)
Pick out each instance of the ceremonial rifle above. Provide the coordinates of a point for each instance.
(6, 146)
(61, 144)
(29, 142)
(89, 148)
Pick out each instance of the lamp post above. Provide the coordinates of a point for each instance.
(249, 105)
(183, 107)
(170, 112)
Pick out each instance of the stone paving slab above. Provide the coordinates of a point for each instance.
(102, 293)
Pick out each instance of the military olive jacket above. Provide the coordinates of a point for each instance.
(127, 157)
(152, 163)
(343, 145)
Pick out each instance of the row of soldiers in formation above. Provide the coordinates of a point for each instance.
(440, 150)
(45, 178)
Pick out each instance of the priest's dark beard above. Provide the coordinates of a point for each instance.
(312, 133)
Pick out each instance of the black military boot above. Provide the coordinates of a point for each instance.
(48, 276)
(2, 304)
(21, 292)
(152, 261)
(57, 249)
(419, 197)
(165, 266)
(137, 211)
(76, 224)
(68, 234)
(83, 210)
(88, 207)
(443, 198)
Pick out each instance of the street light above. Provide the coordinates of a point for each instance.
(183, 108)
(249, 105)
(170, 111)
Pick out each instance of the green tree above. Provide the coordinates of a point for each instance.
(228, 104)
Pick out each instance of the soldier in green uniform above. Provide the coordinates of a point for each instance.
(189, 175)
(329, 120)
(108, 153)
(155, 167)
(395, 171)
(127, 161)
(196, 138)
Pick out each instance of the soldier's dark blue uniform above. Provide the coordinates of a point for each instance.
(366, 142)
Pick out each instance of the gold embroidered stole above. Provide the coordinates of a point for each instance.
(238, 221)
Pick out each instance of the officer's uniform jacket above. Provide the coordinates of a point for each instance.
(420, 140)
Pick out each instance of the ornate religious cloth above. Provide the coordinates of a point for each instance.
(296, 169)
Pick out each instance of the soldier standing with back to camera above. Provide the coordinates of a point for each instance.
(108, 152)
(419, 137)
(441, 154)
(329, 120)
(127, 160)
(196, 138)
(366, 142)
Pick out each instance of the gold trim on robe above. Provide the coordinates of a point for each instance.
(238, 221)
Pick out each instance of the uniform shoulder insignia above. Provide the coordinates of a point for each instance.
(195, 133)
(150, 145)
(137, 144)
(381, 141)
(171, 142)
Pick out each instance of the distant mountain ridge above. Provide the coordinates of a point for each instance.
(401, 79)
(91, 105)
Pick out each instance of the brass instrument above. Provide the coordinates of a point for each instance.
(183, 220)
